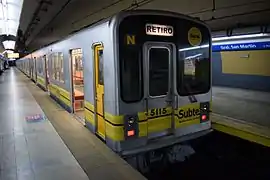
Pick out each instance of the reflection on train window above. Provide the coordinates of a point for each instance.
(131, 75)
(57, 67)
(194, 71)
(100, 67)
(158, 71)
(77, 69)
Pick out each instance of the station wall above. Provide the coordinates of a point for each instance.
(248, 69)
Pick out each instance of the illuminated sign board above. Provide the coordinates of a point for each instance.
(13, 55)
(158, 30)
(241, 46)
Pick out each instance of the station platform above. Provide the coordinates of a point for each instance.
(242, 113)
(39, 140)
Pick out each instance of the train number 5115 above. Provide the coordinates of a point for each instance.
(158, 112)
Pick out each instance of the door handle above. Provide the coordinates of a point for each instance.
(146, 105)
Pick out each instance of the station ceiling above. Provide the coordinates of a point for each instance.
(45, 21)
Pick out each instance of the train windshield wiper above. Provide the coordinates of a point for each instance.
(191, 97)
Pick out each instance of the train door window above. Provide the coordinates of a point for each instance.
(77, 81)
(158, 71)
(53, 66)
(57, 67)
(100, 67)
(193, 71)
(61, 67)
(44, 65)
(131, 75)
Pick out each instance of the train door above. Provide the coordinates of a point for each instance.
(46, 72)
(77, 82)
(99, 90)
(158, 72)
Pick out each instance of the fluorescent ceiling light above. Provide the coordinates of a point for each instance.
(193, 48)
(240, 37)
(10, 12)
(9, 44)
(8, 51)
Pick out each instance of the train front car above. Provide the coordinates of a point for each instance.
(164, 79)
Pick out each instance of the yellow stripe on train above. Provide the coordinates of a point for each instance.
(41, 81)
(89, 115)
(60, 93)
(183, 117)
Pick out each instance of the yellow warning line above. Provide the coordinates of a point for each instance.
(241, 129)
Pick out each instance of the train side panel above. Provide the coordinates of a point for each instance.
(84, 40)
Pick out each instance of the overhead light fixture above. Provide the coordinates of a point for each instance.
(9, 44)
(193, 48)
(10, 12)
(240, 37)
(8, 51)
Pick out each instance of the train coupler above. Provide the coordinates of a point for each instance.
(179, 153)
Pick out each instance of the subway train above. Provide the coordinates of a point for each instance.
(140, 80)
(2, 64)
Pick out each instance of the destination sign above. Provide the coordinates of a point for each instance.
(158, 30)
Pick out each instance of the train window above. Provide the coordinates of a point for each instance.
(131, 75)
(194, 70)
(53, 66)
(54, 63)
(158, 71)
(100, 67)
(40, 66)
(57, 67)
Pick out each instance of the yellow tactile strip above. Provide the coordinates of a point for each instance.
(245, 130)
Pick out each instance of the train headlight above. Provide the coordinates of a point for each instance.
(131, 120)
(130, 126)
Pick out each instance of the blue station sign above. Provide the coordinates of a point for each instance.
(241, 46)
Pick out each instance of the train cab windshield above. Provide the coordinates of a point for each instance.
(158, 53)
(193, 65)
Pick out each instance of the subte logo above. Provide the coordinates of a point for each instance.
(194, 36)
(189, 113)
